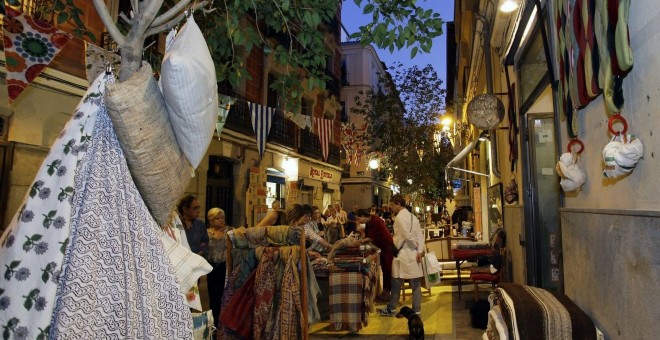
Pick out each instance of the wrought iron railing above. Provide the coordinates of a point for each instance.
(282, 131)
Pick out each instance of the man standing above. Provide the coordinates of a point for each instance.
(341, 214)
(409, 240)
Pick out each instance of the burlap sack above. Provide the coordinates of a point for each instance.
(159, 168)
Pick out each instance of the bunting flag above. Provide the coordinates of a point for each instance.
(96, 60)
(352, 140)
(324, 129)
(303, 121)
(223, 111)
(262, 118)
(30, 45)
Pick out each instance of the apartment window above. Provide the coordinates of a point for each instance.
(306, 107)
(272, 94)
(344, 114)
(344, 73)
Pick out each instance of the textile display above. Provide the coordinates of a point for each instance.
(190, 91)
(346, 300)
(33, 245)
(203, 325)
(534, 313)
(264, 290)
(223, 111)
(591, 54)
(30, 45)
(262, 118)
(140, 119)
(96, 60)
(324, 128)
(116, 278)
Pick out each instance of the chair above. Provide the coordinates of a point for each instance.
(406, 285)
(482, 274)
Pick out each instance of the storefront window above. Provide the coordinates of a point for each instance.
(533, 66)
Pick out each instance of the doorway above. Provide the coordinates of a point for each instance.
(543, 196)
(220, 186)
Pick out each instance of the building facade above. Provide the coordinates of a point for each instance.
(361, 69)
(597, 245)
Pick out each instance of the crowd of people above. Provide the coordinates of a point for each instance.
(392, 228)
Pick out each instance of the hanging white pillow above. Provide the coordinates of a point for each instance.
(189, 86)
(621, 155)
(571, 173)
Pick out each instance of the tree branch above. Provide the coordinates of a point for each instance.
(164, 27)
(171, 13)
(116, 35)
(126, 19)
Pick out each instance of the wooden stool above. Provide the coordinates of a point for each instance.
(406, 284)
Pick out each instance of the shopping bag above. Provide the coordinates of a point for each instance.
(203, 325)
(432, 270)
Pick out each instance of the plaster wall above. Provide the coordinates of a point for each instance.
(612, 271)
(611, 229)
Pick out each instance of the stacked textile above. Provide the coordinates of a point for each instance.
(526, 312)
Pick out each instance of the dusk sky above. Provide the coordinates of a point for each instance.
(352, 18)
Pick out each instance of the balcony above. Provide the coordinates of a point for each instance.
(283, 131)
(239, 119)
(310, 145)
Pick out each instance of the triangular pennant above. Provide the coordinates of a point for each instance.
(96, 60)
(262, 118)
(324, 129)
(223, 111)
(303, 121)
(30, 45)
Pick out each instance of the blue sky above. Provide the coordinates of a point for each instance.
(352, 18)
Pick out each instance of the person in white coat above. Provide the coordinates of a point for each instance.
(407, 265)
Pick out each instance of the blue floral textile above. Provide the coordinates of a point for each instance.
(32, 248)
(116, 279)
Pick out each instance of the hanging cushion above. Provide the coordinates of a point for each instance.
(190, 90)
(139, 116)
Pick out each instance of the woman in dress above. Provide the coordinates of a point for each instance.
(217, 257)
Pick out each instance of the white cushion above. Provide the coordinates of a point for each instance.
(189, 86)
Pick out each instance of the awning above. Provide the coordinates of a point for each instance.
(461, 155)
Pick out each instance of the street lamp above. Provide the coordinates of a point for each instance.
(373, 164)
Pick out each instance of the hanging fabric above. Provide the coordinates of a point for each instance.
(623, 152)
(303, 121)
(97, 59)
(324, 129)
(262, 119)
(116, 278)
(33, 245)
(30, 46)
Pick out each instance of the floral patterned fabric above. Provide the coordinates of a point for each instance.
(32, 248)
(116, 278)
(30, 46)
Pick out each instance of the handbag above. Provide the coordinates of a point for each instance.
(432, 270)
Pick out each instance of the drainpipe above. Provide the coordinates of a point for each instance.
(489, 88)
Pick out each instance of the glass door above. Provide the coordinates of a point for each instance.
(543, 195)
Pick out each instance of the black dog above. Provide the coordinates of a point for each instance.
(415, 324)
